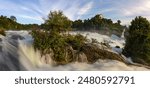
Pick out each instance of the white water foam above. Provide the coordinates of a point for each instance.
(29, 59)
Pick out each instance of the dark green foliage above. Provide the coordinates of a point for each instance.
(11, 24)
(118, 22)
(138, 41)
(44, 41)
(76, 41)
(98, 23)
(78, 24)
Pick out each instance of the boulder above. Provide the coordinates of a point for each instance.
(93, 53)
(81, 57)
(48, 57)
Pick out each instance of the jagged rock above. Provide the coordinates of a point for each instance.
(47, 59)
(89, 53)
(93, 53)
(81, 57)
(69, 54)
(48, 56)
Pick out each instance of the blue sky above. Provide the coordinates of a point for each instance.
(33, 11)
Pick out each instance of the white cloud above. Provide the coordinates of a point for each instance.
(73, 9)
(124, 10)
(107, 10)
(83, 10)
(138, 7)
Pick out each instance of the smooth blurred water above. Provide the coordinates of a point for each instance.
(17, 53)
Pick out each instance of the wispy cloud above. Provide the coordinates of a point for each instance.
(138, 8)
(107, 10)
(85, 8)
(28, 10)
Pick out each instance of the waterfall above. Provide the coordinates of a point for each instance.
(122, 35)
(18, 54)
(9, 56)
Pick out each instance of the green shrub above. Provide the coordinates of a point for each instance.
(44, 41)
(76, 41)
(58, 43)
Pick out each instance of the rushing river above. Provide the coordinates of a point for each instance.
(17, 53)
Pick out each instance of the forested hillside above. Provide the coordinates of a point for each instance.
(10, 23)
(99, 24)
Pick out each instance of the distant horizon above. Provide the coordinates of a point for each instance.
(33, 11)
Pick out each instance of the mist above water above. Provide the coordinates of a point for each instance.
(17, 53)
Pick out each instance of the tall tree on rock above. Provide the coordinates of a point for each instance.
(138, 41)
(57, 21)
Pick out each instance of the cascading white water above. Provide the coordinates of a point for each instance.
(19, 54)
(122, 35)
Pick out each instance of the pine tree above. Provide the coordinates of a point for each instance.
(138, 41)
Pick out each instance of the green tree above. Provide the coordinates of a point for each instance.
(96, 21)
(58, 21)
(13, 18)
(77, 24)
(118, 22)
(138, 41)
